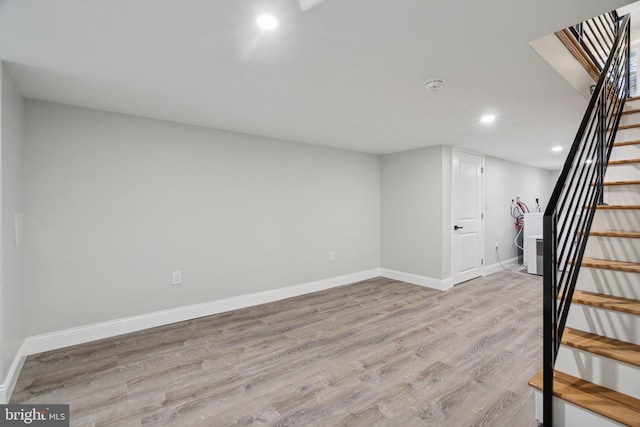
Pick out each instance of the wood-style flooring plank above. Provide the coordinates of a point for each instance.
(378, 352)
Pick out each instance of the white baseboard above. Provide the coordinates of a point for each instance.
(415, 279)
(10, 380)
(83, 334)
(442, 284)
(494, 268)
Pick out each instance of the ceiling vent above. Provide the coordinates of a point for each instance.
(434, 84)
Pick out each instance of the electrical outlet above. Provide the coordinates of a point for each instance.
(176, 277)
(332, 256)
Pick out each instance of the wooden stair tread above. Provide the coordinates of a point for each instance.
(606, 402)
(623, 162)
(603, 346)
(614, 207)
(631, 182)
(632, 111)
(623, 143)
(609, 302)
(633, 98)
(605, 264)
(613, 233)
(633, 126)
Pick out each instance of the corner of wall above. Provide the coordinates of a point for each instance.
(2, 77)
(416, 279)
(411, 215)
(11, 379)
(446, 211)
(12, 146)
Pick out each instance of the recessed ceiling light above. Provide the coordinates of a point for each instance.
(267, 22)
(556, 149)
(488, 118)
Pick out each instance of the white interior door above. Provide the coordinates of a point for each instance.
(467, 241)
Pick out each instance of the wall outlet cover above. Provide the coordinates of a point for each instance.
(176, 277)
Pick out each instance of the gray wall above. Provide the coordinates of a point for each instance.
(416, 208)
(446, 211)
(117, 202)
(411, 212)
(12, 149)
(503, 181)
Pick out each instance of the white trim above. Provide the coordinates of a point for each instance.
(415, 279)
(73, 336)
(10, 380)
(494, 268)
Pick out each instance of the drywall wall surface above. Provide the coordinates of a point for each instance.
(504, 181)
(552, 50)
(553, 180)
(2, 311)
(13, 155)
(411, 211)
(447, 226)
(117, 203)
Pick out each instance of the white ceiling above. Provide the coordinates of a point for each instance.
(346, 73)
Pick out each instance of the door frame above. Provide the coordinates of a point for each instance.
(454, 150)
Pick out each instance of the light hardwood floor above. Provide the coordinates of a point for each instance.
(378, 352)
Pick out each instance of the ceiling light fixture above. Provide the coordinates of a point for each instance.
(434, 84)
(267, 22)
(556, 149)
(488, 118)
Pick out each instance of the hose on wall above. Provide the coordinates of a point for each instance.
(518, 209)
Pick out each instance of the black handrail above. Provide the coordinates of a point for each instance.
(569, 214)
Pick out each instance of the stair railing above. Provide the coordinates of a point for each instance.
(568, 217)
(597, 37)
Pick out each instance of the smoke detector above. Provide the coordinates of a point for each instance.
(434, 84)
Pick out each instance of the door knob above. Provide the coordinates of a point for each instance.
(457, 227)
